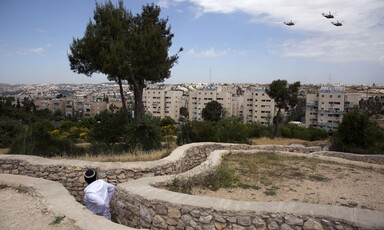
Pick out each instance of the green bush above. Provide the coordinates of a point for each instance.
(357, 134)
(231, 130)
(309, 134)
(144, 134)
(36, 140)
(256, 130)
(9, 129)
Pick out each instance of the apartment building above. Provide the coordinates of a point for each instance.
(325, 108)
(198, 99)
(258, 106)
(164, 101)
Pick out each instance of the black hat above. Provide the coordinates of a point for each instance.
(90, 175)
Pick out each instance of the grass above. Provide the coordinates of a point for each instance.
(22, 189)
(57, 220)
(121, 157)
(260, 171)
(287, 141)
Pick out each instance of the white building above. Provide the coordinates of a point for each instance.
(325, 108)
(258, 106)
(198, 99)
(163, 101)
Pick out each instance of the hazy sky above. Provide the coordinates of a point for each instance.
(224, 40)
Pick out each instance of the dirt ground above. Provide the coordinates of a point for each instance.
(21, 208)
(333, 184)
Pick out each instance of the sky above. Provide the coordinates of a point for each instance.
(224, 41)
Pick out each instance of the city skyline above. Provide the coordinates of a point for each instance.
(223, 41)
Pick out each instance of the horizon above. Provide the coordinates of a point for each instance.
(228, 42)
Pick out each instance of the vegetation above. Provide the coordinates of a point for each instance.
(285, 96)
(264, 171)
(213, 111)
(125, 48)
(357, 134)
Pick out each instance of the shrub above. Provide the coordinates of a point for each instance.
(144, 134)
(357, 134)
(232, 130)
(37, 140)
(309, 134)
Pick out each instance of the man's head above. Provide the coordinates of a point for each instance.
(90, 175)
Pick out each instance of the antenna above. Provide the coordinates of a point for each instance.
(330, 79)
(210, 75)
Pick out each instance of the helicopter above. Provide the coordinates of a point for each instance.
(289, 23)
(329, 15)
(337, 23)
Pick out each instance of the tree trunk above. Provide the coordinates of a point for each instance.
(276, 122)
(138, 88)
(122, 96)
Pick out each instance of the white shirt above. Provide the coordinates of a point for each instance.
(97, 196)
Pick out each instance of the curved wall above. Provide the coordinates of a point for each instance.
(139, 204)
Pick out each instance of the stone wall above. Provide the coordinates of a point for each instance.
(138, 204)
(70, 172)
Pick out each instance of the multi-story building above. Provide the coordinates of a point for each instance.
(258, 106)
(163, 101)
(198, 99)
(325, 108)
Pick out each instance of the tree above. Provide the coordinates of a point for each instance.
(212, 112)
(105, 47)
(125, 47)
(285, 96)
(183, 111)
(150, 62)
(356, 133)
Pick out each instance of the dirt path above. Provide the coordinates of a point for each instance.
(23, 209)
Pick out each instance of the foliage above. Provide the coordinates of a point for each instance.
(183, 135)
(231, 130)
(372, 105)
(150, 60)
(125, 47)
(213, 111)
(144, 134)
(309, 134)
(202, 131)
(9, 128)
(36, 140)
(357, 134)
(109, 128)
(285, 96)
(259, 130)
(105, 45)
(184, 112)
(223, 176)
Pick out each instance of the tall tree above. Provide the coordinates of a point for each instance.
(105, 47)
(152, 39)
(285, 96)
(125, 47)
(213, 111)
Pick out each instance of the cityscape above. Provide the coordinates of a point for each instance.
(324, 104)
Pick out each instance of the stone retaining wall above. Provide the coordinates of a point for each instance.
(142, 205)
(70, 172)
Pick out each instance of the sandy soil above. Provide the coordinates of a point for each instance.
(338, 185)
(23, 209)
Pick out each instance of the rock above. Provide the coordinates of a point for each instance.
(205, 219)
(293, 220)
(311, 224)
(174, 212)
(244, 220)
(273, 226)
(285, 227)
